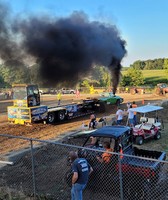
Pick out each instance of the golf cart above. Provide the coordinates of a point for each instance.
(149, 127)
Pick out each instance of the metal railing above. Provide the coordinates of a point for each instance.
(41, 171)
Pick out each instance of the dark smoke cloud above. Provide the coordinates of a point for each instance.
(67, 48)
(9, 48)
(6, 44)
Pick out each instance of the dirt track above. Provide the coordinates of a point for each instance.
(51, 167)
(45, 132)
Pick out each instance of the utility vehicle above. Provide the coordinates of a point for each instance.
(149, 126)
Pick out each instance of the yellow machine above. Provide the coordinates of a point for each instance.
(26, 105)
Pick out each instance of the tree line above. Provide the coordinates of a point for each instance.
(160, 63)
(16, 72)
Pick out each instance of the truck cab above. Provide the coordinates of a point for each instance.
(26, 105)
(26, 95)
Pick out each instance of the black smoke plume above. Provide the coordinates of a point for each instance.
(65, 48)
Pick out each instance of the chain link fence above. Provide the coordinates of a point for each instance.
(42, 171)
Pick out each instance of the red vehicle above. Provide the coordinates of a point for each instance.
(162, 88)
(146, 131)
(149, 127)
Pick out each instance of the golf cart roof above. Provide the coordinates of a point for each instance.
(146, 109)
(110, 131)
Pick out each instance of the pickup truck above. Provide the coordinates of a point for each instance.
(68, 91)
(137, 170)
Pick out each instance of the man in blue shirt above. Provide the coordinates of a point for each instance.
(81, 170)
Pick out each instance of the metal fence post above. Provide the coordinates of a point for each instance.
(33, 172)
(120, 178)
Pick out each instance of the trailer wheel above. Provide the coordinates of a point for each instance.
(51, 117)
(102, 107)
(61, 115)
(139, 140)
(158, 135)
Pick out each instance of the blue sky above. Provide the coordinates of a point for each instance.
(142, 23)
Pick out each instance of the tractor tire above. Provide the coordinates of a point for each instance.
(51, 118)
(118, 102)
(61, 116)
(132, 91)
(158, 135)
(158, 91)
(139, 140)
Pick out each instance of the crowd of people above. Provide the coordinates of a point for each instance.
(120, 115)
(132, 120)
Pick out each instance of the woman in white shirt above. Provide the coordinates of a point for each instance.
(119, 116)
(130, 116)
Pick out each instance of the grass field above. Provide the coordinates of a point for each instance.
(152, 77)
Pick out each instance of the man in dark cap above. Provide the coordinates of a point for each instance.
(81, 170)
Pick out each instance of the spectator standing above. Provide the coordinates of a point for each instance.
(130, 116)
(77, 93)
(59, 98)
(126, 89)
(119, 116)
(135, 118)
(81, 170)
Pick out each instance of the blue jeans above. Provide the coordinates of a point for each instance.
(131, 121)
(135, 120)
(119, 122)
(76, 191)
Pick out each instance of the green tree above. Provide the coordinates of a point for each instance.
(165, 65)
(35, 76)
(2, 83)
(160, 63)
(102, 75)
(15, 72)
(138, 65)
(85, 83)
(148, 64)
(134, 77)
(125, 80)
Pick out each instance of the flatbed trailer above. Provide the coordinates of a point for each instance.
(27, 107)
(70, 111)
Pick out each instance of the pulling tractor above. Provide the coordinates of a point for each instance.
(26, 105)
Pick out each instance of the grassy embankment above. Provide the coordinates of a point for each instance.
(152, 77)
